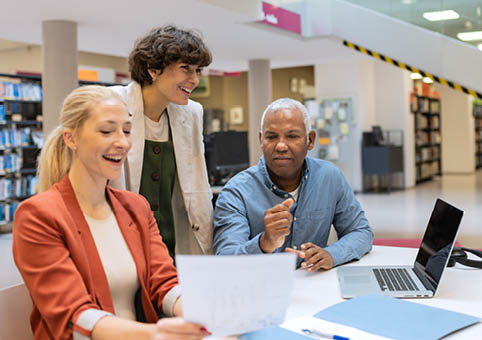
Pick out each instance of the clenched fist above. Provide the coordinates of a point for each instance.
(277, 222)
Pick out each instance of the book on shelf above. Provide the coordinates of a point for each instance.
(435, 137)
(20, 91)
(7, 211)
(10, 163)
(423, 104)
(3, 117)
(426, 154)
(422, 122)
(424, 138)
(434, 106)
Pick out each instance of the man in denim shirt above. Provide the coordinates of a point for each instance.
(288, 202)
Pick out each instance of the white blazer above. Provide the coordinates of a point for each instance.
(192, 196)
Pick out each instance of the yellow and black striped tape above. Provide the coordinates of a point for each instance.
(394, 62)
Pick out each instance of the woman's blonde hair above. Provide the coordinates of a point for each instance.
(56, 158)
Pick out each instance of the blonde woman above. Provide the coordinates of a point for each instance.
(91, 256)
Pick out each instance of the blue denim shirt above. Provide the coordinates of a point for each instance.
(325, 198)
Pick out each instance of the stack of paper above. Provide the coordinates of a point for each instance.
(236, 294)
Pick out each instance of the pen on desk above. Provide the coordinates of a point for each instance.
(323, 334)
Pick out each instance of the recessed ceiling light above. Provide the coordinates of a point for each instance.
(415, 76)
(441, 15)
(408, 2)
(480, 47)
(470, 36)
(427, 80)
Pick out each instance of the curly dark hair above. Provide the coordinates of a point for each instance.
(163, 46)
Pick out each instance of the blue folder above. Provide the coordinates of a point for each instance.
(395, 318)
(273, 333)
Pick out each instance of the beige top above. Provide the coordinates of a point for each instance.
(118, 263)
(157, 131)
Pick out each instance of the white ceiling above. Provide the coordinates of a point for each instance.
(111, 26)
(411, 11)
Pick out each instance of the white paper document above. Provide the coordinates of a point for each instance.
(236, 294)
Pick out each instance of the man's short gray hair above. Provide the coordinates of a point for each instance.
(288, 103)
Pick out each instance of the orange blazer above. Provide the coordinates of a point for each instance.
(58, 260)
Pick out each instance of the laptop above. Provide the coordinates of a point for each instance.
(418, 281)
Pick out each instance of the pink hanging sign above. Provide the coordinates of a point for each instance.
(281, 18)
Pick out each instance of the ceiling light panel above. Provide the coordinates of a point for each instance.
(470, 36)
(441, 15)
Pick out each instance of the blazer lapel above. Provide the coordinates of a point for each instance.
(135, 157)
(98, 277)
(181, 128)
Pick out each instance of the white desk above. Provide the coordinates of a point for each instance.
(459, 290)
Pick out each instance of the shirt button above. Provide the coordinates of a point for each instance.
(274, 187)
(155, 176)
(286, 195)
(195, 227)
(294, 218)
(156, 149)
(154, 207)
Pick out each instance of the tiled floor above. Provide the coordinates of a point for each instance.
(406, 213)
(399, 214)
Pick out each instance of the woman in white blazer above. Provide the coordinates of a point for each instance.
(166, 162)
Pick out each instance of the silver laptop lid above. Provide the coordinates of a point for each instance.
(437, 243)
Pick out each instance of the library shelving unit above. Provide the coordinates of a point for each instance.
(20, 141)
(426, 112)
(478, 133)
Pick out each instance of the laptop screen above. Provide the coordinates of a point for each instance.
(438, 240)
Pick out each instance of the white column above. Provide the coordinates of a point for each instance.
(259, 96)
(59, 68)
(392, 108)
(457, 130)
(350, 79)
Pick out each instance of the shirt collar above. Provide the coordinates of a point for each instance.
(269, 183)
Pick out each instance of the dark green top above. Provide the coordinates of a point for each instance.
(157, 184)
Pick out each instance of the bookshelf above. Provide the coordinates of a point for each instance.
(477, 109)
(428, 161)
(21, 138)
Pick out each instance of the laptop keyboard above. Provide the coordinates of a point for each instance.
(394, 279)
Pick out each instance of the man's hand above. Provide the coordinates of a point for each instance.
(277, 221)
(314, 257)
